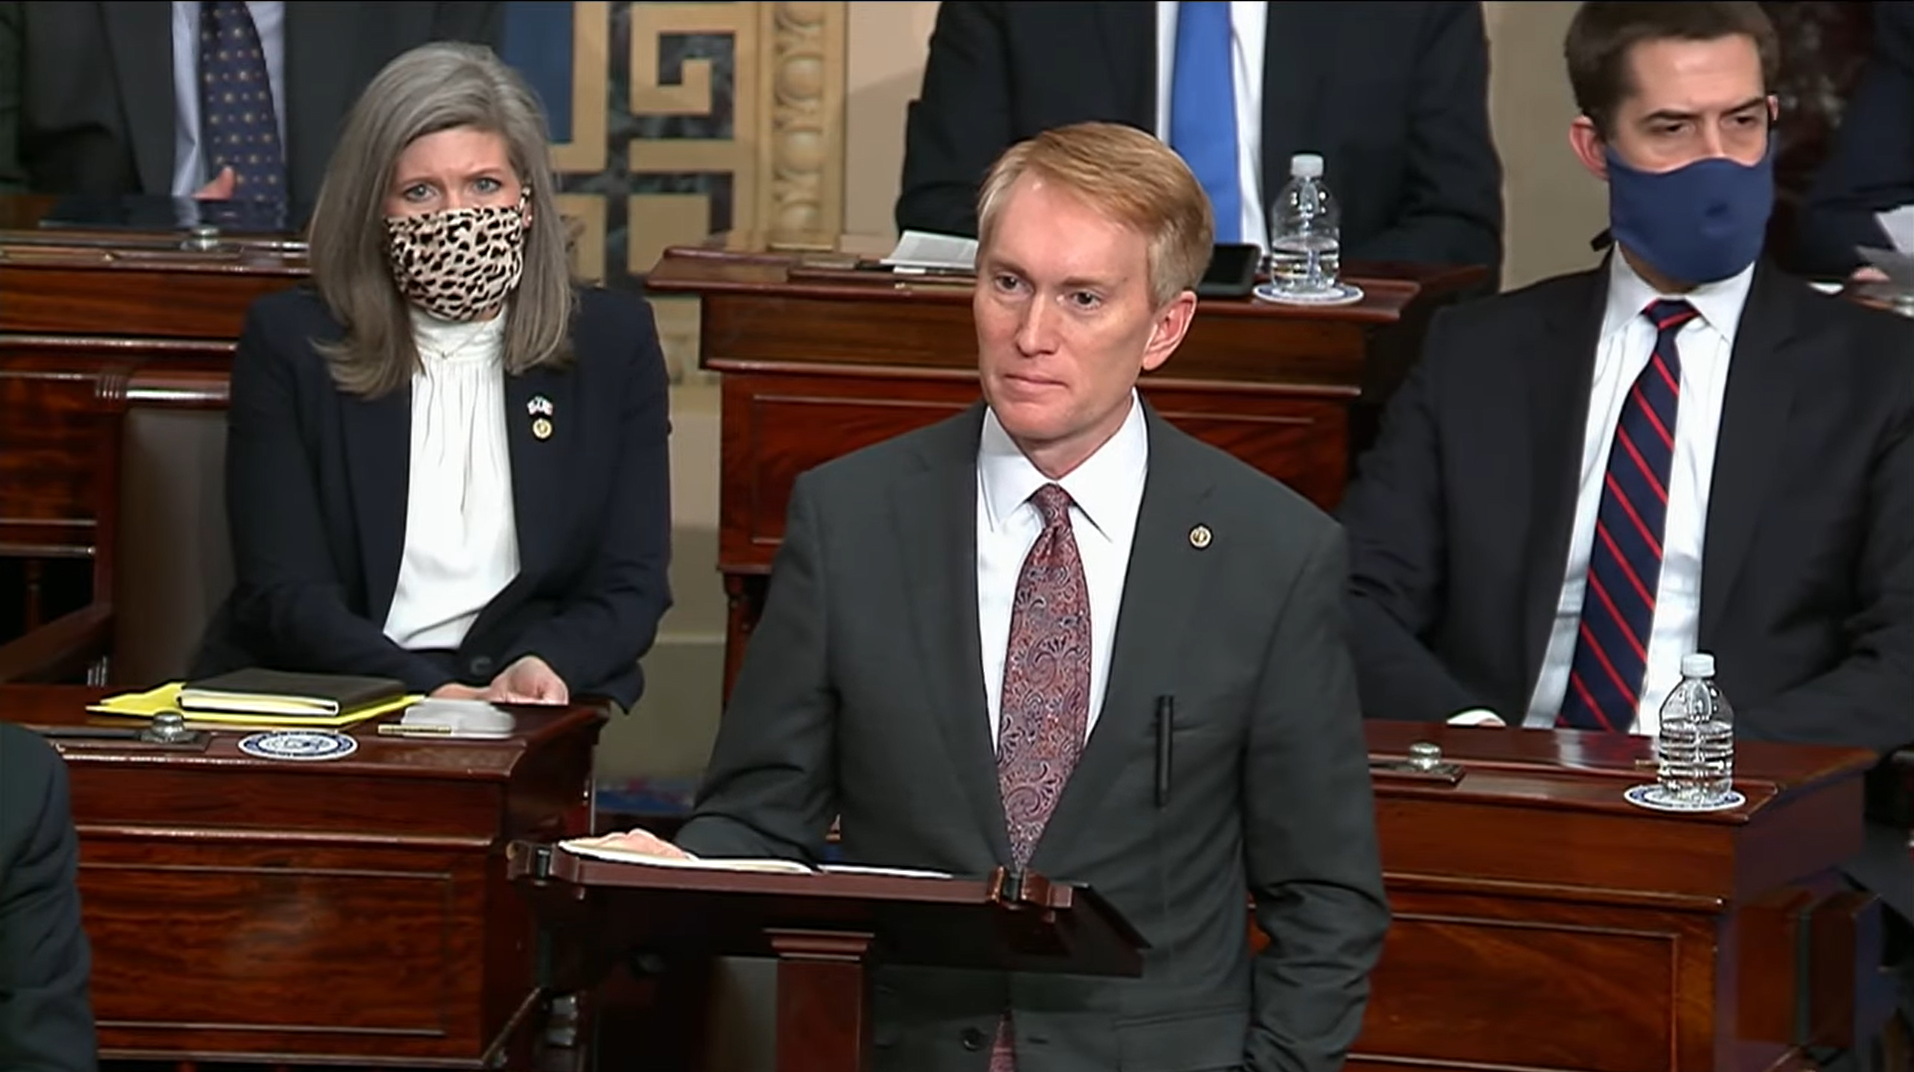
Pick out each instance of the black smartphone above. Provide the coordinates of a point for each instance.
(1232, 271)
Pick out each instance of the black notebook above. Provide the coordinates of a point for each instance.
(275, 692)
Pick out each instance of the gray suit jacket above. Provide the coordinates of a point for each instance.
(46, 1019)
(862, 696)
(86, 89)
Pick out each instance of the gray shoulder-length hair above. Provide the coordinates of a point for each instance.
(432, 88)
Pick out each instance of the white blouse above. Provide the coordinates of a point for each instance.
(461, 536)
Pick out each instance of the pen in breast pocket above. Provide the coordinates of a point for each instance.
(1165, 728)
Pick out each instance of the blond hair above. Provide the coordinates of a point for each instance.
(432, 88)
(1129, 177)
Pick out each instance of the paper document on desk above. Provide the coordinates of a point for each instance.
(1899, 225)
(922, 251)
(1896, 263)
(610, 848)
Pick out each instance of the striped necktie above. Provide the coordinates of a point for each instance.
(1624, 562)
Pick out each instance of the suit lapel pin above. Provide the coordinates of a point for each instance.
(540, 408)
(1200, 537)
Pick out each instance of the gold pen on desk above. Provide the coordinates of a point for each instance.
(394, 729)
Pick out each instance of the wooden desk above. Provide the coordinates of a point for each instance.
(817, 360)
(1541, 922)
(347, 912)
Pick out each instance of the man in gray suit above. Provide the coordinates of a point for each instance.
(976, 633)
(46, 1019)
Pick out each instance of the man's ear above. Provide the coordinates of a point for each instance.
(1589, 145)
(1166, 334)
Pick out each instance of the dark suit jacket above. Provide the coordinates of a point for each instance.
(46, 1021)
(862, 696)
(316, 496)
(1393, 95)
(1870, 166)
(1459, 522)
(86, 89)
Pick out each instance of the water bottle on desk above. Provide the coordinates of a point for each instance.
(1695, 744)
(1305, 237)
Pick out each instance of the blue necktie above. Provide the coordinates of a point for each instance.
(1203, 109)
(238, 126)
(1624, 563)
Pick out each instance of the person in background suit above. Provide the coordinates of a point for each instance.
(1394, 96)
(46, 1020)
(149, 98)
(978, 635)
(1870, 166)
(1683, 450)
(446, 463)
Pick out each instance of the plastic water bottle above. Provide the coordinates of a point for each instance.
(1305, 237)
(1695, 746)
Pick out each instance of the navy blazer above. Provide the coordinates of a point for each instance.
(316, 485)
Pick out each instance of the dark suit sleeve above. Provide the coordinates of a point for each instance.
(1870, 166)
(1395, 516)
(770, 789)
(46, 1020)
(478, 23)
(1310, 833)
(1864, 701)
(611, 617)
(959, 124)
(13, 175)
(1451, 210)
(286, 584)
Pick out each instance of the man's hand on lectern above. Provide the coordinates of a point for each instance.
(640, 841)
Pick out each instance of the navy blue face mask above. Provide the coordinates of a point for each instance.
(1699, 223)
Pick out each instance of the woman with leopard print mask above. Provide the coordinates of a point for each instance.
(447, 462)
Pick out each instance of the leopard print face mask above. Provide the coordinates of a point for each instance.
(460, 263)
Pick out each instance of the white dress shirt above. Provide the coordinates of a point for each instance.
(1627, 340)
(1106, 491)
(189, 163)
(1249, 24)
(461, 535)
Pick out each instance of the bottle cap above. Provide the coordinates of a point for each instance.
(1306, 166)
(1698, 664)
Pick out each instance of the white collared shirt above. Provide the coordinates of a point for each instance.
(1106, 491)
(1249, 27)
(1627, 339)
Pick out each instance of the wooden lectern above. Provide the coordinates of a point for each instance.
(827, 930)
(818, 357)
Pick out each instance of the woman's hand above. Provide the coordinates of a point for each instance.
(452, 690)
(528, 680)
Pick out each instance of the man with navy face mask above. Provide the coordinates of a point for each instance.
(1681, 450)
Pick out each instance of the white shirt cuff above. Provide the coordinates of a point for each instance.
(1480, 716)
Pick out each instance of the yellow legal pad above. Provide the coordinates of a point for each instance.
(166, 698)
